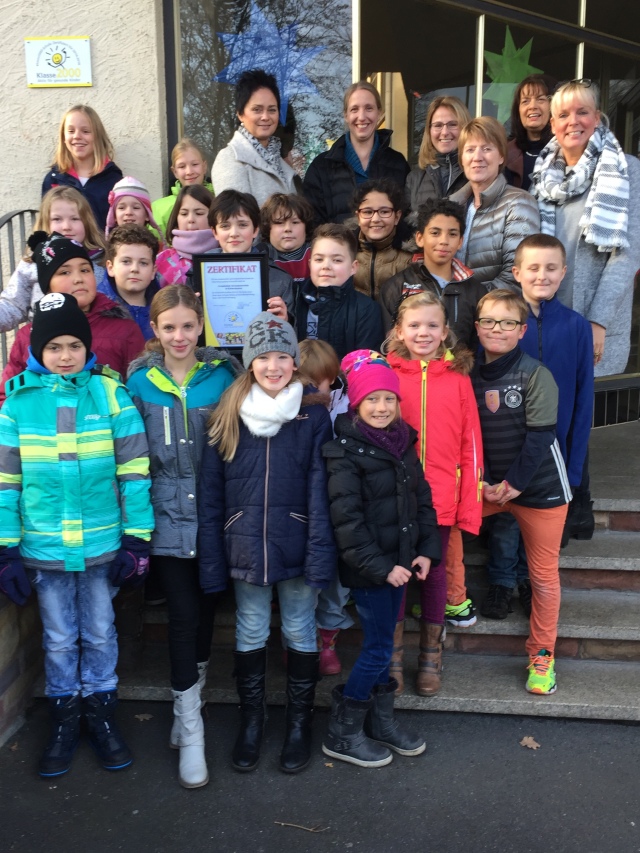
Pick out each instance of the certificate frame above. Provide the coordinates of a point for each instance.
(233, 288)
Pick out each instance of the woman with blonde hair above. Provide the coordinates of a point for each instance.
(84, 160)
(438, 173)
(362, 153)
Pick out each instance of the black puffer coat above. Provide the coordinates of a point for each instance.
(381, 507)
(438, 181)
(330, 183)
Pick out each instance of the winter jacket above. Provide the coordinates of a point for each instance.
(378, 261)
(439, 403)
(240, 167)
(380, 507)
(264, 516)
(561, 339)
(22, 292)
(329, 184)
(117, 340)
(140, 313)
(347, 320)
(437, 181)
(74, 469)
(162, 208)
(460, 296)
(505, 217)
(96, 190)
(175, 419)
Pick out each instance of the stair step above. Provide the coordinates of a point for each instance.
(476, 684)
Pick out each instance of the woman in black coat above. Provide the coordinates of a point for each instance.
(360, 154)
(386, 529)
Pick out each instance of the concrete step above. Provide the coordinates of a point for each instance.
(614, 466)
(476, 684)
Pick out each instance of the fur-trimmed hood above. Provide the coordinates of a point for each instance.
(205, 354)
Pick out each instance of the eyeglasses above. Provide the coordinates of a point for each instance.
(579, 81)
(369, 212)
(439, 125)
(506, 325)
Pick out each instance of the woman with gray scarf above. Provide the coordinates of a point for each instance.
(251, 162)
(588, 193)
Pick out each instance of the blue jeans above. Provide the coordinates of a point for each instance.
(377, 608)
(507, 563)
(297, 612)
(79, 638)
(330, 613)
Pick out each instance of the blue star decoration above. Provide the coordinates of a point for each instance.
(506, 70)
(262, 45)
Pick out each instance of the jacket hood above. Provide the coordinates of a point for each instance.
(108, 308)
(207, 355)
(459, 359)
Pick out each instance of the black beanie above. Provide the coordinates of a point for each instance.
(49, 253)
(58, 314)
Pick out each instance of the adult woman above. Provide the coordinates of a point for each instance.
(498, 216)
(530, 129)
(360, 154)
(251, 162)
(438, 173)
(588, 192)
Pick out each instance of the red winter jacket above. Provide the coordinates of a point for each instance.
(117, 340)
(438, 401)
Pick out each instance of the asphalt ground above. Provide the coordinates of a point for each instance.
(475, 789)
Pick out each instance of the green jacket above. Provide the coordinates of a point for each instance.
(163, 207)
(74, 469)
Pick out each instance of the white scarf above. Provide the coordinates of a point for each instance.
(602, 171)
(264, 415)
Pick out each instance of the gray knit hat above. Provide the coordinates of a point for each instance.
(268, 333)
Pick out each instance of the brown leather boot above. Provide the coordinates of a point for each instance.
(395, 667)
(430, 659)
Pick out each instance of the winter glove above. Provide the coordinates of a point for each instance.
(13, 578)
(131, 564)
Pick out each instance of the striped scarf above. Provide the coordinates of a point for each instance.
(602, 171)
(270, 154)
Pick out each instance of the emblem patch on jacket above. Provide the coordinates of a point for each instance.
(492, 400)
(512, 397)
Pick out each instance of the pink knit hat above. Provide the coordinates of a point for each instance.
(133, 187)
(368, 371)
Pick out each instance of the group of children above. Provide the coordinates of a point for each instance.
(346, 464)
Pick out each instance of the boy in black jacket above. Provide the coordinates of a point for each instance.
(328, 307)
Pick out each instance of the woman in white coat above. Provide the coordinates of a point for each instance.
(251, 162)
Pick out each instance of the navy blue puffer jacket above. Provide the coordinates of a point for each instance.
(264, 516)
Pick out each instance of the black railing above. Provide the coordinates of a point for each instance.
(15, 227)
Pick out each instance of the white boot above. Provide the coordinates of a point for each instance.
(186, 708)
(175, 728)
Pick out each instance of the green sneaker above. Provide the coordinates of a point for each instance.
(416, 611)
(542, 673)
(462, 615)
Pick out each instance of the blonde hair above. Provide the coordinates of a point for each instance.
(185, 144)
(318, 361)
(426, 299)
(165, 299)
(428, 153)
(93, 236)
(488, 129)
(512, 301)
(102, 147)
(367, 87)
(587, 94)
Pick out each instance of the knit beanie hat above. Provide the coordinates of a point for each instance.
(133, 187)
(52, 252)
(367, 371)
(268, 333)
(58, 314)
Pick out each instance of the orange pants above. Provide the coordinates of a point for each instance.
(541, 532)
(456, 587)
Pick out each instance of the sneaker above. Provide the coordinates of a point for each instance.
(524, 594)
(542, 673)
(416, 611)
(497, 604)
(463, 615)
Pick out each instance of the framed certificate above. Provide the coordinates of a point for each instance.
(234, 289)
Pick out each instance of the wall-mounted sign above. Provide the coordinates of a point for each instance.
(58, 61)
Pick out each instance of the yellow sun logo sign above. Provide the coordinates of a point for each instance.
(56, 56)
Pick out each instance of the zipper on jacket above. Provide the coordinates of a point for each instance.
(458, 476)
(539, 322)
(166, 415)
(266, 502)
(423, 414)
(372, 274)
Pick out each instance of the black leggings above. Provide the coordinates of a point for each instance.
(191, 616)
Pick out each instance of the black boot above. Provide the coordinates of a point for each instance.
(104, 735)
(65, 734)
(381, 725)
(580, 522)
(250, 681)
(346, 739)
(302, 675)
